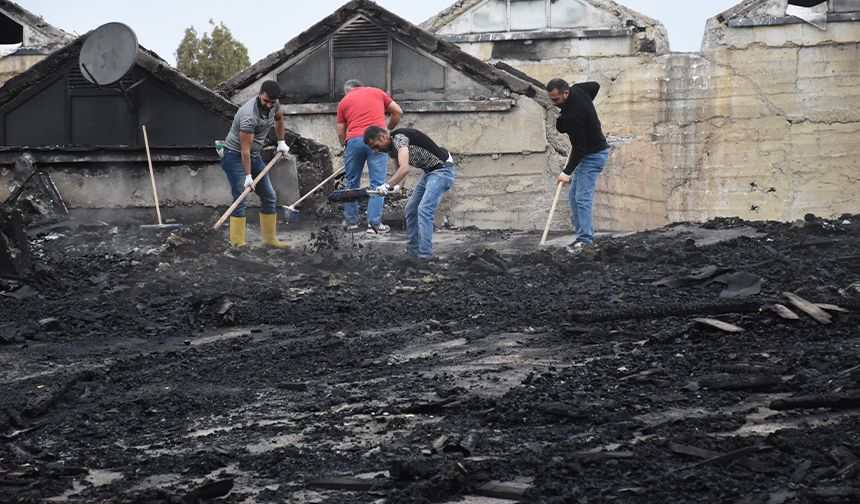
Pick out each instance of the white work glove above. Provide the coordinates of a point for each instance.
(396, 189)
(382, 190)
(249, 182)
(283, 148)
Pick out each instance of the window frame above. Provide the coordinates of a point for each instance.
(547, 18)
(831, 7)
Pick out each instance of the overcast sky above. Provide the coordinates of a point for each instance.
(160, 24)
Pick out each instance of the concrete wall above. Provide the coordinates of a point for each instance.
(776, 126)
(762, 124)
(632, 190)
(12, 65)
(504, 177)
(124, 184)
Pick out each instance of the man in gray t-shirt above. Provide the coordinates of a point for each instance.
(242, 162)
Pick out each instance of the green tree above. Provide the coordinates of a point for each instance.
(211, 59)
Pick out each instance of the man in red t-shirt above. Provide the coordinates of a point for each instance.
(361, 108)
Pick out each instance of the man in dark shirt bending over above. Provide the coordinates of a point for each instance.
(588, 154)
(410, 147)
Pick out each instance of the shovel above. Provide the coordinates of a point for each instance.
(160, 226)
(348, 195)
(247, 191)
(291, 213)
(551, 213)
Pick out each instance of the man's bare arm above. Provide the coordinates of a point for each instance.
(246, 140)
(341, 132)
(395, 114)
(402, 167)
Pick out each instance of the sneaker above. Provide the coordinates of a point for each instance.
(576, 248)
(349, 227)
(379, 229)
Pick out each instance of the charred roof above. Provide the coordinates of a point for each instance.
(54, 37)
(147, 60)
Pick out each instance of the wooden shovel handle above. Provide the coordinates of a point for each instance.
(551, 213)
(247, 190)
(151, 174)
(317, 188)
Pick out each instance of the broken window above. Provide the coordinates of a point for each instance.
(364, 51)
(845, 6)
(11, 32)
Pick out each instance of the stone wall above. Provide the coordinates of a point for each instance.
(14, 64)
(121, 183)
(504, 177)
(762, 124)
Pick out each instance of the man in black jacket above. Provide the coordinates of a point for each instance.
(588, 154)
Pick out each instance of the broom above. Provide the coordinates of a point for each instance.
(160, 226)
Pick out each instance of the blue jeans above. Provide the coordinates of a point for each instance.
(422, 207)
(356, 153)
(581, 195)
(231, 163)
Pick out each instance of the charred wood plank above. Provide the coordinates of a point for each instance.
(693, 451)
(749, 368)
(726, 458)
(739, 382)
(784, 312)
(832, 401)
(832, 308)
(40, 404)
(499, 490)
(343, 483)
(808, 308)
(666, 310)
(604, 455)
(719, 324)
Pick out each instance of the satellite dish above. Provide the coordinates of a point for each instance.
(108, 53)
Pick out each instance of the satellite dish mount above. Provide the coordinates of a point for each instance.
(107, 56)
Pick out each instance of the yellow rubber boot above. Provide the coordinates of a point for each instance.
(237, 231)
(268, 223)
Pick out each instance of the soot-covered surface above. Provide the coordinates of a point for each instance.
(139, 368)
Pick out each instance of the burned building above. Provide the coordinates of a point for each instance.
(527, 33)
(494, 122)
(25, 39)
(770, 114)
(90, 138)
(733, 130)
